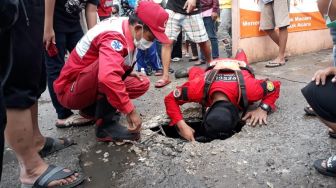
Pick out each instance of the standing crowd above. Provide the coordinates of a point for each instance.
(98, 73)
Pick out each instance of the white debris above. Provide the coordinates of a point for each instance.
(214, 153)
(149, 164)
(119, 143)
(110, 144)
(285, 171)
(88, 163)
(132, 164)
(105, 160)
(142, 159)
(98, 151)
(270, 185)
(188, 160)
(106, 154)
(136, 150)
(189, 171)
(147, 133)
(192, 154)
(113, 174)
(84, 150)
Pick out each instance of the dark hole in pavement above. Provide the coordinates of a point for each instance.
(196, 124)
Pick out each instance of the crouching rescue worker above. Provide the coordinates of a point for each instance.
(98, 80)
(226, 88)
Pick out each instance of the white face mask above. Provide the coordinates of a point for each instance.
(142, 44)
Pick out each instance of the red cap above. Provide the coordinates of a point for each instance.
(155, 17)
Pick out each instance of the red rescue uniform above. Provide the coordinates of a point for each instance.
(97, 65)
(192, 91)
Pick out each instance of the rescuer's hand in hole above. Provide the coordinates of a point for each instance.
(185, 130)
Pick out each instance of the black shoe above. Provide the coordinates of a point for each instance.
(108, 128)
(114, 132)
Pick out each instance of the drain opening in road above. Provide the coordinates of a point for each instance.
(196, 124)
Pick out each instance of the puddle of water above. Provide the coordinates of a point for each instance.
(115, 160)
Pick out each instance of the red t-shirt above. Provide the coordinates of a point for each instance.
(105, 7)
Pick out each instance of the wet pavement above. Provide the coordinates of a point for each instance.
(280, 154)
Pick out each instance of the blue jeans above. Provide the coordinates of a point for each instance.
(211, 31)
(149, 59)
(64, 42)
(333, 35)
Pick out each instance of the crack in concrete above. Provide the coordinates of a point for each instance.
(282, 78)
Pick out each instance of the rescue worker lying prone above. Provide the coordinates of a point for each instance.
(226, 88)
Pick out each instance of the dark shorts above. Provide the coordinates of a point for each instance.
(322, 99)
(27, 79)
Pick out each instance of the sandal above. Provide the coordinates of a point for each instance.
(53, 144)
(54, 173)
(193, 59)
(309, 111)
(161, 83)
(199, 63)
(75, 120)
(176, 59)
(330, 169)
(272, 64)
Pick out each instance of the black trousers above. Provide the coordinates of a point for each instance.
(27, 78)
(177, 48)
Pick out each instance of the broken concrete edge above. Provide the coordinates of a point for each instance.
(193, 112)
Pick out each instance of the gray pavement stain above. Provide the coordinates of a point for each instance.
(280, 154)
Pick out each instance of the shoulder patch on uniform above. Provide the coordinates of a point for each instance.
(116, 45)
(177, 93)
(270, 86)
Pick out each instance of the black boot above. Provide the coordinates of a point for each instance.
(108, 128)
